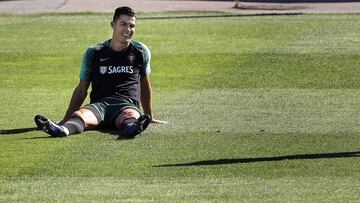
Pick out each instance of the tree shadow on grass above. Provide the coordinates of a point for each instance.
(265, 159)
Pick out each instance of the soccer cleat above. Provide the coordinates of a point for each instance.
(143, 122)
(49, 126)
(136, 128)
(39, 121)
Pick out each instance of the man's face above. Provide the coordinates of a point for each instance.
(123, 28)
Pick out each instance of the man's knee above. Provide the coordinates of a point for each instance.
(80, 113)
(124, 115)
(89, 117)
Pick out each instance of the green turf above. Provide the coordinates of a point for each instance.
(260, 109)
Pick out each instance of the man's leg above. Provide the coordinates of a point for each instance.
(81, 120)
(131, 123)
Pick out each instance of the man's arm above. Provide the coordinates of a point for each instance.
(146, 95)
(77, 99)
(146, 98)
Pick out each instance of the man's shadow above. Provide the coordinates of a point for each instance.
(17, 131)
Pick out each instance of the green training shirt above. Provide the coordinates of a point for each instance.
(115, 74)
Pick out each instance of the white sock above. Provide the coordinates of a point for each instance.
(65, 130)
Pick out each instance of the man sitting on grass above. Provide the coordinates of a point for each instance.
(118, 71)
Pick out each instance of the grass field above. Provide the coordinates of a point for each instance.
(260, 109)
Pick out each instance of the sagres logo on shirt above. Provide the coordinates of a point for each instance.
(115, 69)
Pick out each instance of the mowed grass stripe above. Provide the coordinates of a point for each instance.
(80, 189)
(266, 70)
(261, 110)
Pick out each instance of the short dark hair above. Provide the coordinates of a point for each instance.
(123, 11)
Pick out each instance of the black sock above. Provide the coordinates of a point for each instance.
(75, 125)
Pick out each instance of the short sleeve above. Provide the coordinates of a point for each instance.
(146, 68)
(147, 58)
(86, 66)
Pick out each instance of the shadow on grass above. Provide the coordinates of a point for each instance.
(17, 131)
(265, 159)
(39, 138)
(113, 132)
(25, 130)
(20, 131)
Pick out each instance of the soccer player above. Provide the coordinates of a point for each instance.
(118, 72)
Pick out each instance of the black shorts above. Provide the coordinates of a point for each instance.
(107, 109)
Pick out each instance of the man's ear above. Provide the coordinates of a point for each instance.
(112, 24)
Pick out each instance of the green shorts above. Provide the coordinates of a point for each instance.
(107, 109)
